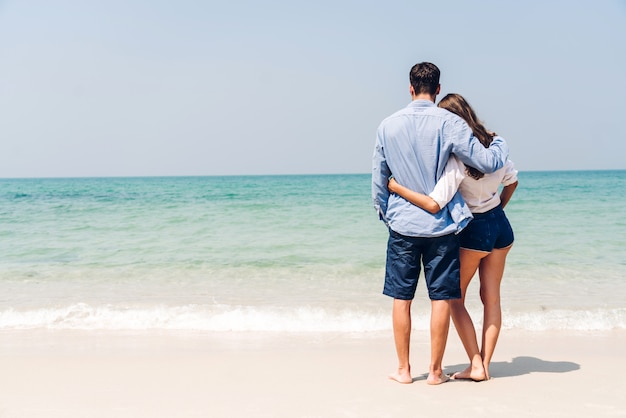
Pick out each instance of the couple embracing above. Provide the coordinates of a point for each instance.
(435, 183)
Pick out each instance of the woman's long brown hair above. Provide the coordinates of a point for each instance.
(456, 104)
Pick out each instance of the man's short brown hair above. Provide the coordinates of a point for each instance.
(425, 78)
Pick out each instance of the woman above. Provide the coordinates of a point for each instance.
(485, 242)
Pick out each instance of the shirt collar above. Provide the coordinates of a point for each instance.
(421, 103)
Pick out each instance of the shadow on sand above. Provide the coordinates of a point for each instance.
(520, 366)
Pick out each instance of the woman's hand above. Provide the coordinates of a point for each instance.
(392, 185)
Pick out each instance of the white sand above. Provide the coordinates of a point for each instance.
(94, 374)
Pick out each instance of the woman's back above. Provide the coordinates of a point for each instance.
(483, 194)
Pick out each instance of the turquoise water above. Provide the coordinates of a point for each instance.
(283, 253)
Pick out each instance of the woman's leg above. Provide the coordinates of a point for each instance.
(491, 271)
(470, 260)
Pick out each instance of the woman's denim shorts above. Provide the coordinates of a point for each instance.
(487, 231)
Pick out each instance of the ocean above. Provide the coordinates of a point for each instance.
(297, 254)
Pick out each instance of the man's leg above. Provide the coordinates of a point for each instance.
(441, 269)
(439, 326)
(402, 335)
(401, 273)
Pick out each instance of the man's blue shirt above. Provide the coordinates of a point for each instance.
(414, 145)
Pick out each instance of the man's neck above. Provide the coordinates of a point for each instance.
(424, 96)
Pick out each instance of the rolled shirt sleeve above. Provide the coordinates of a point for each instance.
(510, 174)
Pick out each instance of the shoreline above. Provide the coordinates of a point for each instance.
(165, 374)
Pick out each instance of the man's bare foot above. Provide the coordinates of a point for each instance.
(402, 376)
(476, 374)
(437, 379)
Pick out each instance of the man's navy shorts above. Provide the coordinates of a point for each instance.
(487, 231)
(440, 256)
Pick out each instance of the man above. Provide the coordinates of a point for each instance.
(414, 145)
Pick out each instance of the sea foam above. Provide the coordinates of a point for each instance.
(222, 318)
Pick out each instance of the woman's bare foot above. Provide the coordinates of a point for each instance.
(402, 376)
(487, 375)
(437, 379)
(477, 374)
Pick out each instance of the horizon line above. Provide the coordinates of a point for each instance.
(264, 175)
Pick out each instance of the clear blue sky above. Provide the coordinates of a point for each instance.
(151, 87)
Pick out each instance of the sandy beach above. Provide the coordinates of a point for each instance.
(98, 374)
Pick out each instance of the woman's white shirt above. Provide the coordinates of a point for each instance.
(480, 195)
